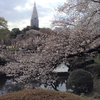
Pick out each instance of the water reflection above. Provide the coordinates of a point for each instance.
(4, 85)
(54, 86)
(54, 83)
(2, 82)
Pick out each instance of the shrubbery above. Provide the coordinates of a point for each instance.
(96, 70)
(80, 81)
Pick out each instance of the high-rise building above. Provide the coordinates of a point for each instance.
(34, 18)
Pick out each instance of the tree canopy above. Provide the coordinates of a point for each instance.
(15, 32)
(79, 19)
(3, 23)
(79, 15)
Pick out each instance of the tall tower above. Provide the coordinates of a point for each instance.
(34, 18)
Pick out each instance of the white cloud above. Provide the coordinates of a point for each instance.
(19, 8)
(45, 3)
(19, 24)
(46, 22)
(46, 12)
(27, 6)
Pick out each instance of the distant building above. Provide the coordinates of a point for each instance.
(34, 18)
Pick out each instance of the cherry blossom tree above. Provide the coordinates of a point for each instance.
(82, 18)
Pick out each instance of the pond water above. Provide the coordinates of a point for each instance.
(4, 86)
(7, 85)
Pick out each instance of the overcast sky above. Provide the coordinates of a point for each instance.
(19, 12)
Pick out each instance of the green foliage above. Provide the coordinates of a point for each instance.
(4, 32)
(4, 37)
(95, 95)
(27, 28)
(15, 32)
(12, 48)
(96, 69)
(83, 95)
(80, 81)
(96, 86)
(97, 60)
(3, 23)
(35, 28)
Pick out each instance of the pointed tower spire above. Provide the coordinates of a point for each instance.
(34, 18)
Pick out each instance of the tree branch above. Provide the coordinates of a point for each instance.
(92, 16)
(97, 1)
